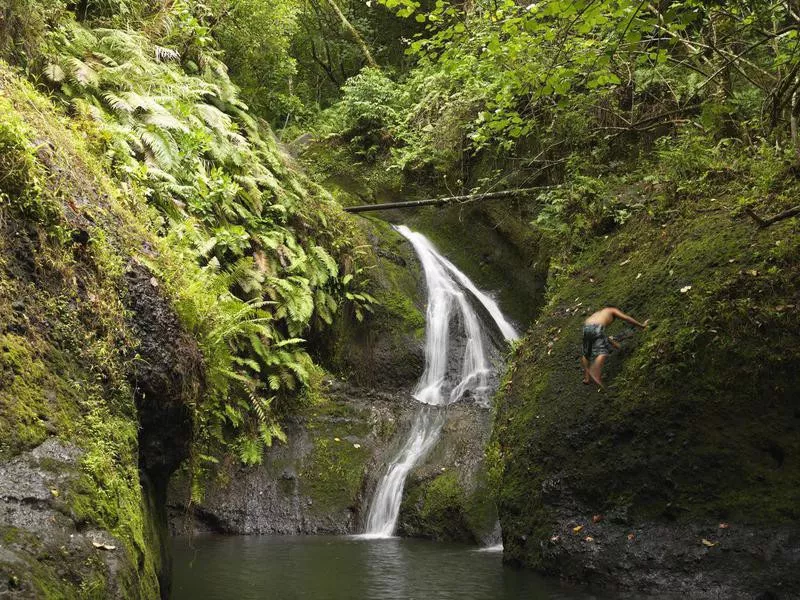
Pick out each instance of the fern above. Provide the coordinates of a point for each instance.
(252, 258)
(271, 432)
(161, 148)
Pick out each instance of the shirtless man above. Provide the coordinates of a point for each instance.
(597, 345)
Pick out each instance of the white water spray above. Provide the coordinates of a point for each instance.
(447, 299)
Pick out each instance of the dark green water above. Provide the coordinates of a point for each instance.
(341, 568)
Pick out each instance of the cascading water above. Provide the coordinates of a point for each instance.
(448, 305)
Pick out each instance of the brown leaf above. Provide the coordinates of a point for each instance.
(597, 518)
(708, 544)
(97, 544)
(723, 526)
(631, 537)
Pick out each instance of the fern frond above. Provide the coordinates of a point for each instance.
(161, 145)
(165, 120)
(82, 73)
(327, 260)
(213, 117)
(163, 54)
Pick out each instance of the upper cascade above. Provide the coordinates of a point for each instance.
(447, 293)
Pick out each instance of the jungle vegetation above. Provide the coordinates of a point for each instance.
(180, 100)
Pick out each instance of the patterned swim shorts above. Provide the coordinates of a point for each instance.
(595, 341)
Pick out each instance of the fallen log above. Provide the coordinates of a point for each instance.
(791, 212)
(447, 200)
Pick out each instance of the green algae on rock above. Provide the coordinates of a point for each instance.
(699, 424)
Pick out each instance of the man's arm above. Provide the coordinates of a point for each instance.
(621, 315)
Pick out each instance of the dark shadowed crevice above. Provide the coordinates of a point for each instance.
(167, 379)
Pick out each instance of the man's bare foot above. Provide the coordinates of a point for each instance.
(597, 381)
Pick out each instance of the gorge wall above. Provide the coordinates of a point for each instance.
(323, 478)
(683, 475)
(96, 372)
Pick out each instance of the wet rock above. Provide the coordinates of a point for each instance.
(167, 378)
(39, 531)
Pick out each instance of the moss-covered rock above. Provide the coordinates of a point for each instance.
(81, 523)
(448, 496)
(316, 482)
(699, 423)
(385, 349)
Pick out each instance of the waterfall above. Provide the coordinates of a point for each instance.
(441, 383)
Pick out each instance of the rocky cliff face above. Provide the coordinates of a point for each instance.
(95, 372)
(322, 479)
(318, 482)
(683, 475)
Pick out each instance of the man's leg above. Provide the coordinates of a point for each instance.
(585, 365)
(596, 370)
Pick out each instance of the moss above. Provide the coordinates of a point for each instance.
(701, 413)
(385, 349)
(332, 475)
(20, 175)
(64, 343)
(441, 509)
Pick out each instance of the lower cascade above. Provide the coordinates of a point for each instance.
(457, 366)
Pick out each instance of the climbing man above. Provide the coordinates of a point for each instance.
(597, 345)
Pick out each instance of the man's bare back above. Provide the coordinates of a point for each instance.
(605, 316)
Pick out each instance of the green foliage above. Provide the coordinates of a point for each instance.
(256, 37)
(20, 179)
(24, 25)
(273, 257)
(369, 113)
(543, 84)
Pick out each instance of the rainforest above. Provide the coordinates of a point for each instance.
(299, 299)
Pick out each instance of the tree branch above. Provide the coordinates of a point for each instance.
(762, 223)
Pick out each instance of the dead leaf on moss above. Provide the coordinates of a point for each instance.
(577, 529)
(707, 543)
(103, 546)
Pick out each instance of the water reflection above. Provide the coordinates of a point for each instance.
(339, 568)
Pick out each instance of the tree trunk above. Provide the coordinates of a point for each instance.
(448, 200)
(356, 36)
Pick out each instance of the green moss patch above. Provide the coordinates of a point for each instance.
(333, 474)
(701, 415)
